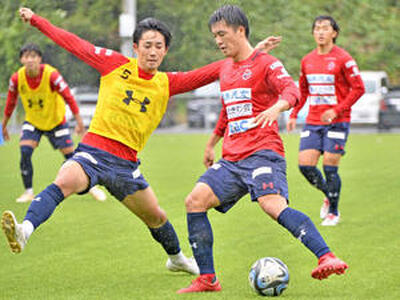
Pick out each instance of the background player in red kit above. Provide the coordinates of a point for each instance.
(255, 89)
(43, 92)
(331, 82)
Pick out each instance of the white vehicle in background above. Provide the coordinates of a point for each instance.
(366, 109)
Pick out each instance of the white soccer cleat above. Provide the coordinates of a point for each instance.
(188, 265)
(331, 220)
(13, 232)
(324, 209)
(98, 194)
(25, 197)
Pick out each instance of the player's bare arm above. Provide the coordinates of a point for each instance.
(6, 136)
(209, 153)
(79, 128)
(270, 115)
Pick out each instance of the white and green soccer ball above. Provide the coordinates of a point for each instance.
(269, 276)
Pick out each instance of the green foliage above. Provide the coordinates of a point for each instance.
(89, 250)
(370, 31)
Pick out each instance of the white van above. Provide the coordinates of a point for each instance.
(366, 109)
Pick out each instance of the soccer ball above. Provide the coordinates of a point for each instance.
(269, 276)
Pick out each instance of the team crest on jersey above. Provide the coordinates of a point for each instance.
(247, 74)
(331, 66)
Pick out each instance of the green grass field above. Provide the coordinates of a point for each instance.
(90, 250)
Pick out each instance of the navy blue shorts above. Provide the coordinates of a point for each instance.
(260, 174)
(330, 138)
(59, 136)
(119, 176)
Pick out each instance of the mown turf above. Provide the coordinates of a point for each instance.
(91, 250)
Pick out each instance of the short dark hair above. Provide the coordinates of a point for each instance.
(232, 15)
(152, 24)
(334, 24)
(30, 47)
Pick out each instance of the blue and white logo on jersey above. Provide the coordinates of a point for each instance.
(239, 110)
(322, 89)
(235, 95)
(241, 126)
(322, 100)
(320, 78)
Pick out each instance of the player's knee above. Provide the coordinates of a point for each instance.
(195, 203)
(273, 205)
(155, 219)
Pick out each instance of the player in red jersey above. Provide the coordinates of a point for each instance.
(133, 97)
(255, 89)
(331, 82)
(43, 92)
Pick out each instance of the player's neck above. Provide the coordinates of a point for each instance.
(325, 49)
(244, 53)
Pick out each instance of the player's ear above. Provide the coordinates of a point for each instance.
(135, 48)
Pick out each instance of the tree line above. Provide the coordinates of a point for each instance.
(370, 31)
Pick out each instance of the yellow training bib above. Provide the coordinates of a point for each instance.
(130, 108)
(44, 108)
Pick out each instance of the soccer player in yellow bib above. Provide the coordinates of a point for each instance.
(43, 92)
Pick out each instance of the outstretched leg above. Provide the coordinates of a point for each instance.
(144, 205)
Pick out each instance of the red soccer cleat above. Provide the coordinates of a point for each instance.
(203, 283)
(329, 264)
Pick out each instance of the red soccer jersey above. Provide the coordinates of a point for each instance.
(249, 87)
(105, 61)
(329, 81)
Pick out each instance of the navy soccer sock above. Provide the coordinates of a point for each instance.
(167, 237)
(302, 228)
(26, 166)
(314, 176)
(44, 204)
(201, 240)
(334, 185)
(68, 155)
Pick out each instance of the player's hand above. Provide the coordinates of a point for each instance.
(79, 128)
(269, 43)
(25, 14)
(291, 124)
(6, 136)
(209, 157)
(328, 116)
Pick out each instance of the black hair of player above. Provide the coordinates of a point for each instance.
(232, 15)
(31, 47)
(334, 24)
(152, 24)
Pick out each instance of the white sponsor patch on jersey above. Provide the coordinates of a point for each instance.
(235, 95)
(305, 134)
(61, 132)
(241, 126)
(322, 100)
(239, 110)
(11, 86)
(350, 64)
(86, 156)
(336, 135)
(28, 127)
(136, 174)
(261, 170)
(276, 65)
(321, 89)
(320, 78)
(216, 166)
